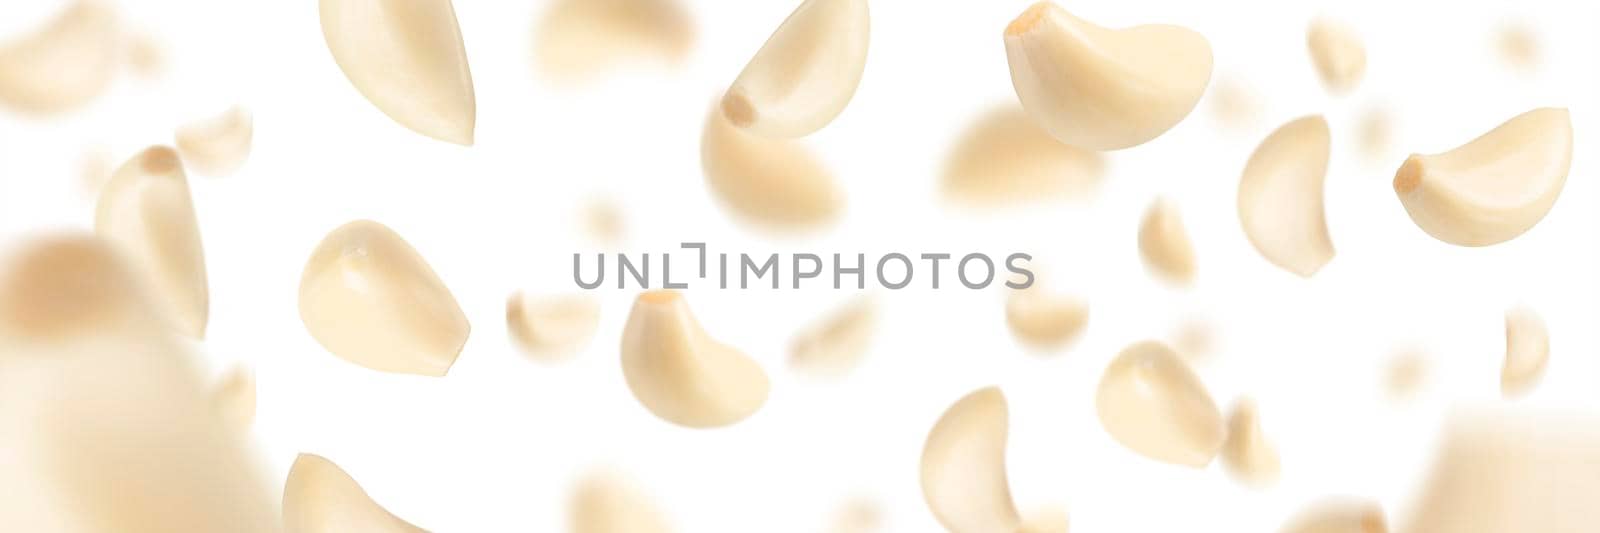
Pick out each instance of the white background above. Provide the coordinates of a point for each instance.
(495, 445)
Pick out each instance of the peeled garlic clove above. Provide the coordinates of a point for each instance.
(1104, 89)
(64, 64)
(1047, 520)
(320, 497)
(368, 297)
(1527, 351)
(235, 397)
(1194, 339)
(603, 221)
(144, 54)
(964, 466)
(775, 183)
(1045, 321)
(1518, 45)
(1494, 188)
(607, 503)
(577, 39)
(406, 57)
(680, 373)
(1247, 455)
(1235, 105)
(1006, 159)
(1337, 52)
(59, 288)
(835, 345)
(1152, 403)
(1280, 197)
(858, 516)
(219, 145)
(551, 327)
(146, 211)
(1406, 374)
(1339, 516)
(1164, 244)
(806, 72)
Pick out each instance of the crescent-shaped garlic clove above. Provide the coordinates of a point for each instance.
(1338, 516)
(680, 373)
(774, 183)
(609, 503)
(146, 211)
(406, 57)
(65, 63)
(234, 395)
(1006, 159)
(835, 345)
(219, 145)
(1150, 402)
(551, 327)
(805, 74)
(319, 497)
(964, 466)
(1280, 197)
(578, 39)
(1045, 321)
(1247, 455)
(1164, 243)
(1338, 53)
(1527, 352)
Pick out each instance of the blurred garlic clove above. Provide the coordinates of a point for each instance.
(1338, 53)
(608, 503)
(1045, 321)
(1406, 374)
(1164, 244)
(1005, 159)
(1527, 352)
(146, 211)
(1234, 104)
(234, 395)
(1280, 197)
(320, 497)
(217, 146)
(1375, 131)
(858, 516)
(369, 298)
(1338, 516)
(577, 39)
(94, 170)
(551, 327)
(680, 373)
(1518, 45)
(1494, 188)
(1045, 520)
(834, 345)
(806, 72)
(603, 221)
(64, 64)
(65, 288)
(1195, 339)
(1150, 402)
(1104, 89)
(778, 184)
(1246, 454)
(144, 54)
(964, 466)
(406, 57)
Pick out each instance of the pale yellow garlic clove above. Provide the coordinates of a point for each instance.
(1235, 105)
(608, 503)
(1375, 131)
(1195, 339)
(62, 287)
(406, 57)
(1494, 188)
(680, 373)
(603, 221)
(778, 184)
(1405, 374)
(578, 39)
(319, 497)
(1006, 159)
(1280, 197)
(857, 516)
(1045, 520)
(1247, 455)
(964, 466)
(1339, 516)
(1527, 351)
(1150, 402)
(834, 345)
(64, 64)
(1164, 244)
(1104, 89)
(217, 146)
(806, 72)
(1338, 53)
(1518, 45)
(369, 298)
(145, 210)
(234, 395)
(551, 327)
(1045, 321)
(144, 54)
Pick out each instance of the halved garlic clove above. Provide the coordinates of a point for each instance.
(64, 64)
(1527, 352)
(1247, 455)
(234, 395)
(1280, 197)
(551, 327)
(406, 57)
(577, 39)
(1006, 159)
(1338, 516)
(1046, 520)
(835, 345)
(1494, 188)
(775, 183)
(217, 146)
(1045, 321)
(806, 72)
(1164, 244)
(369, 298)
(320, 497)
(608, 503)
(1338, 53)
(964, 466)
(145, 209)
(1150, 402)
(680, 373)
(1104, 89)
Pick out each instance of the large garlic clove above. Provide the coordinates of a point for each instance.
(1280, 197)
(1047, 520)
(680, 373)
(1246, 454)
(806, 72)
(1337, 52)
(551, 327)
(1045, 321)
(578, 39)
(964, 466)
(145, 209)
(1152, 403)
(217, 146)
(369, 298)
(320, 497)
(1338, 516)
(1104, 89)
(234, 395)
(1164, 244)
(406, 57)
(1527, 352)
(64, 64)
(607, 503)
(775, 183)
(1494, 188)
(834, 345)
(1006, 159)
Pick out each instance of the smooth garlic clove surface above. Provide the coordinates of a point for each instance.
(551, 327)
(805, 74)
(64, 64)
(1150, 402)
(146, 211)
(217, 146)
(320, 497)
(1338, 53)
(1246, 454)
(1527, 352)
(578, 39)
(1005, 159)
(1280, 197)
(406, 57)
(775, 183)
(835, 345)
(1339, 516)
(1045, 321)
(964, 466)
(680, 373)
(234, 395)
(607, 503)
(1164, 243)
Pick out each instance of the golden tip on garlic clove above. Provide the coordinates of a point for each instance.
(777, 184)
(836, 343)
(65, 63)
(1247, 455)
(145, 211)
(964, 466)
(1150, 402)
(406, 57)
(1527, 352)
(551, 327)
(1005, 159)
(1280, 197)
(319, 497)
(219, 145)
(1045, 321)
(680, 373)
(805, 74)
(1164, 244)
(1338, 54)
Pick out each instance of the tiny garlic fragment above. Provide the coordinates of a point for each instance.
(1518, 45)
(964, 466)
(805, 74)
(609, 503)
(775, 183)
(578, 39)
(1044, 321)
(406, 57)
(217, 146)
(144, 54)
(1164, 244)
(320, 497)
(1280, 197)
(234, 395)
(1339, 516)
(1494, 188)
(1247, 455)
(1338, 53)
(836, 344)
(603, 221)
(145, 209)
(551, 327)
(1405, 374)
(680, 373)
(1375, 131)
(1195, 339)
(1045, 520)
(64, 64)
(1234, 104)
(1150, 402)
(1527, 352)
(1005, 159)
(857, 516)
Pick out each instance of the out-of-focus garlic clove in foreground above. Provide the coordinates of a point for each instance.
(1005, 159)
(551, 327)
(805, 74)
(406, 57)
(146, 211)
(234, 395)
(369, 298)
(1045, 520)
(578, 39)
(1494, 188)
(680, 373)
(1151, 402)
(1104, 89)
(1164, 243)
(1338, 516)
(1527, 351)
(319, 497)
(835, 345)
(1045, 321)
(1338, 53)
(1247, 455)
(774, 183)
(217, 146)
(65, 63)
(608, 503)
(964, 466)
(1280, 197)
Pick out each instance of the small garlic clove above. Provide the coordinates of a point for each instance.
(1235, 105)
(1375, 131)
(578, 39)
(1104, 89)
(1045, 520)
(64, 64)
(1195, 339)
(1150, 402)
(406, 57)
(234, 395)
(1527, 352)
(217, 146)
(1518, 45)
(1247, 455)
(805, 74)
(1338, 516)
(1494, 188)
(834, 345)
(1338, 53)
(777, 184)
(1405, 374)
(1005, 159)
(146, 211)
(1280, 197)
(551, 327)
(857, 516)
(369, 298)
(603, 221)
(680, 373)
(608, 503)
(144, 55)
(1045, 321)
(964, 466)
(320, 497)
(1164, 244)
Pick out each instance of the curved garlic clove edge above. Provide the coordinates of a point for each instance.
(219, 145)
(369, 298)
(1045, 321)
(835, 345)
(805, 74)
(1104, 89)
(1150, 402)
(578, 39)
(964, 466)
(406, 57)
(1005, 159)
(1494, 188)
(64, 64)
(1045, 520)
(1338, 516)
(145, 209)
(1280, 197)
(1527, 352)
(607, 503)
(234, 395)
(1246, 454)
(551, 327)
(1164, 244)
(1338, 54)
(777, 184)
(680, 373)
(319, 497)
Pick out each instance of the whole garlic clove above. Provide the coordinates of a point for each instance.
(1338, 53)
(1164, 244)
(406, 57)
(1527, 352)
(234, 395)
(320, 497)
(777, 184)
(1045, 321)
(964, 466)
(1280, 197)
(1247, 455)
(1339, 516)
(64, 64)
(608, 503)
(578, 39)
(680, 373)
(805, 74)
(146, 211)
(217, 146)
(1150, 402)
(551, 327)
(836, 344)
(1005, 159)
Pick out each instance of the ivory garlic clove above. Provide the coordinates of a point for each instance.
(369, 298)
(775, 183)
(1280, 197)
(607, 503)
(835, 345)
(65, 63)
(964, 466)
(1339, 516)
(1150, 402)
(1338, 54)
(857, 516)
(146, 211)
(1518, 45)
(217, 146)
(577, 39)
(1046, 520)
(1527, 352)
(680, 373)
(1246, 454)
(1005, 159)
(320, 497)
(1045, 321)
(1104, 89)
(805, 74)
(551, 327)
(1494, 188)
(234, 395)
(1406, 374)
(406, 57)
(1164, 243)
